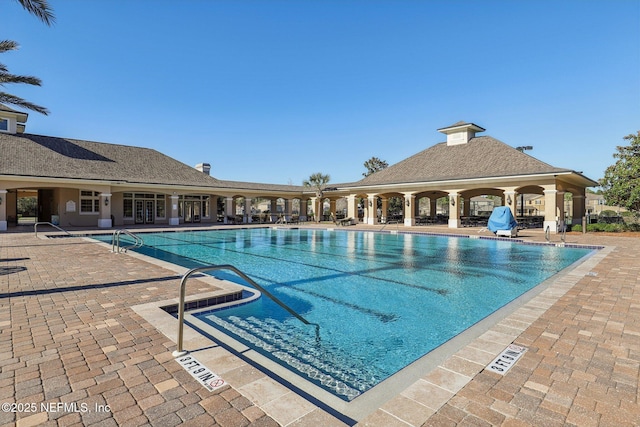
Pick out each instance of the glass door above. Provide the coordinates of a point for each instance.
(149, 211)
(144, 211)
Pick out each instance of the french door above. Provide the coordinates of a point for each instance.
(145, 211)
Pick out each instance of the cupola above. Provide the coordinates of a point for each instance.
(461, 132)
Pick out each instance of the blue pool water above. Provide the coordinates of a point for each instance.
(382, 300)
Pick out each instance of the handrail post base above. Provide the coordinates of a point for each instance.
(177, 353)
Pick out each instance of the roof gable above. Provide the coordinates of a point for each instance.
(481, 157)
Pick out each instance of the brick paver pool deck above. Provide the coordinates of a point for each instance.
(74, 352)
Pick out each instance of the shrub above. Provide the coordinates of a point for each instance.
(576, 227)
(612, 228)
(632, 227)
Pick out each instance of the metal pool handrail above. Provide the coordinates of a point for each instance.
(115, 241)
(180, 350)
(35, 227)
(561, 227)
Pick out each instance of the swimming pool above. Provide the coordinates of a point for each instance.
(382, 300)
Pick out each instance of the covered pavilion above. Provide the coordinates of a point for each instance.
(463, 167)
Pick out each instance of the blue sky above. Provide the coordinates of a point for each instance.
(273, 91)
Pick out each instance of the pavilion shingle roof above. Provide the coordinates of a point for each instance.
(481, 157)
(52, 157)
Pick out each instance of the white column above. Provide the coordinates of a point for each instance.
(247, 210)
(372, 208)
(511, 196)
(550, 206)
(3, 210)
(454, 210)
(408, 204)
(174, 219)
(229, 211)
(314, 209)
(104, 219)
(352, 207)
(385, 210)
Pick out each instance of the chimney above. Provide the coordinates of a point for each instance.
(204, 168)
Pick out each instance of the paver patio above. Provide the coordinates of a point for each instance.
(70, 341)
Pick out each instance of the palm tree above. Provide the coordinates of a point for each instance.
(318, 181)
(41, 9)
(7, 78)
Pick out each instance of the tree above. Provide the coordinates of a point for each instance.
(318, 182)
(373, 165)
(621, 182)
(41, 9)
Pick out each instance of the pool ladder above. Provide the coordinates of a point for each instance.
(180, 350)
(562, 227)
(115, 241)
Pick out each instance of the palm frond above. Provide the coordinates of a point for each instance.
(6, 78)
(40, 9)
(7, 45)
(6, 98)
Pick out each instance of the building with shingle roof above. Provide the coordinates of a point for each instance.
(463, 167)
(85, 183)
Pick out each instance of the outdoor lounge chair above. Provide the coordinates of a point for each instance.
(347, 221)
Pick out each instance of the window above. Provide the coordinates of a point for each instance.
(4, 125)
(89, 202)
(160, 206)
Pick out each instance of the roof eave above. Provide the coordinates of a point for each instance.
(488, 179)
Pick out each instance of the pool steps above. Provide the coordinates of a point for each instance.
(318, 362)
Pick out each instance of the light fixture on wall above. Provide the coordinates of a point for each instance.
(408, 203)
(106, 201)
(509, 200)
(370, 203)
(0, 200)
(453, 201)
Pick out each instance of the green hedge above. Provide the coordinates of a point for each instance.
(609, 228)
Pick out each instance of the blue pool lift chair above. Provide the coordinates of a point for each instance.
(502, 223)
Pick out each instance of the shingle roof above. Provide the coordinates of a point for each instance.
(259, 186)
(481, 157)
(52, 157)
